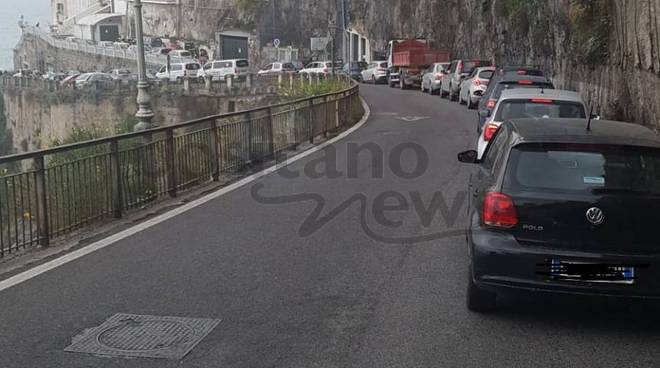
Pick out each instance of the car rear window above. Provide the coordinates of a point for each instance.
(583, 168)
(539, 108)
(192, 66)
(222, 64)
(242, 64)
(486, 74)
(383, 65)
(468, 66)
(176, 67)
(514, 85)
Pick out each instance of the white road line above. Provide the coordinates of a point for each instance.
(50, 265)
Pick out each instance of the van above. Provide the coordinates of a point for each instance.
(221, 69)
(178, 71)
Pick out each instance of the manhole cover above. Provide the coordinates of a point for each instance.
(128, 335)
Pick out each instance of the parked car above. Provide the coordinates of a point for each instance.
(121, 45)
(562, 208)
(181, 54)
(319, 67)
(501, 82)
(107, 44)
(298, 65)
(275, 68)
(122, 74)
(221, 69)
(432, 78)
(178, 71)
(375, 72)
(354, 69)
(70, 80)
(88, 79)
(53, 76)
(459, 70)
(531, 103)
(474, 86)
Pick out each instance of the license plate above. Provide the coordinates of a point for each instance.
(591, 272)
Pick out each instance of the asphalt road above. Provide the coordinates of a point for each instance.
(356, 286)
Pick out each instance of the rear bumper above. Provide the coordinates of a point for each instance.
(436, 85)
(500, 264)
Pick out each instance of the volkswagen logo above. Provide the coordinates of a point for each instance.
(595, 216)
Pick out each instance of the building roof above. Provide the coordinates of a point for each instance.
(94, 19)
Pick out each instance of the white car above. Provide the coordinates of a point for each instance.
(274, 68)
(474, 86)
(178, 71)
(531, 103)
(375, 72)
(181, 54)
(319, 67)
(221, 69)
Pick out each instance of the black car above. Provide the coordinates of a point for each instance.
(354, 69)
(558, 207)
(507, 80)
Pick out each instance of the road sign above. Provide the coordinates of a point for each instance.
(276, 42)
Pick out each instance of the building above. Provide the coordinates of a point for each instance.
(96, 20)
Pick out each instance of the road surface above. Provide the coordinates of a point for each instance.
(379, 286)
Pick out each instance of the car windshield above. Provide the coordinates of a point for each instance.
(539, 108)
(242, 64)
(583, 168)
(515, 85)
(486, 74)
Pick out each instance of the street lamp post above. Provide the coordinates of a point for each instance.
(144, 114)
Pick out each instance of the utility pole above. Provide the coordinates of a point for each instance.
(144, 114)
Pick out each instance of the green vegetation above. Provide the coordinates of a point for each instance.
(249, 11)
(305, 90)
(589, 24)
(515, 14)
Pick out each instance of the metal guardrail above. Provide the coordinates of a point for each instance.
(48, 193)
(151, 59)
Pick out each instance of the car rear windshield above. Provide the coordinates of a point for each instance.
(583, 168)
(468, 66)
(382, 65)
(486, 74)
(222, 64)
(242, 64)
(514, 85)
(539, 108)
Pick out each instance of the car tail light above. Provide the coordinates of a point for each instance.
(499, 211)
(236, 71)
(459, 67)
(476, 82)
(438, 76)
(521, 72)
(541, 100)
(490, 131)
(525, 82)
(491, 104)
(325, 70)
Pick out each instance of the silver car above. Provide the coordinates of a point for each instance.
(474, 86)
(375, 72)
(432, 78)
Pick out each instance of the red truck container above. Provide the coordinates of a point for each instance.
(409, 58)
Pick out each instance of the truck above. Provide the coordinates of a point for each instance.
(407, 60)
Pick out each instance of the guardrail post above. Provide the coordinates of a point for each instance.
(248, 120)
(215, 150)
(249, 80)
(279, 80)
(291, 80)
(230, 82)
(186, 84)
(208, 83)
(271, 133)
(325, 116)
(42, 201)
(115, 171)
(311, 120)
(170, 162)
(337, 113)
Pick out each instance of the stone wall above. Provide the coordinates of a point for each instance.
(38, 113)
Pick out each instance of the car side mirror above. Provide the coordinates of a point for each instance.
(595, 117)
(468, 157)
(484, 113)
(462, 77)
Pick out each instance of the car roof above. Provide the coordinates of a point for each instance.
(515, 77)
(554, 94)
(575, 131)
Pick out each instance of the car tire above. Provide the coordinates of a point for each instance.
(478, 300)
(373, 80)
(470, 105)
